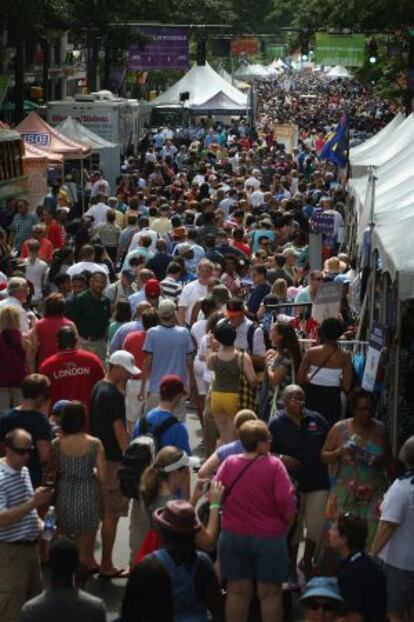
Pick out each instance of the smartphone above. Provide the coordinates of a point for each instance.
(50, 483)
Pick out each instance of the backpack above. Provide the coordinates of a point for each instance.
(139, 455)
(250, 336)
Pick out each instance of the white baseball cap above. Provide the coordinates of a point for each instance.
(124, 359)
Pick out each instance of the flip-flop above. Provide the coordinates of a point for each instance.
(119, 574)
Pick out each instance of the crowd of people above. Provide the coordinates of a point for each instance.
(189, 286)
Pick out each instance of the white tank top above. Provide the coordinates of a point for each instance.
(325, 376)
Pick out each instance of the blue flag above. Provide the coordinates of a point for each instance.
(336, 148)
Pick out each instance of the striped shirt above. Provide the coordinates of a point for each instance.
(171, 289)
(16, 488)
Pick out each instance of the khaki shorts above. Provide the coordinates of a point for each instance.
(311, 516)
(19, 579)
(115, 504)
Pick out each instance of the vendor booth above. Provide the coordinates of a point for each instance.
(105, 155)
(35, 131)
(203, 91)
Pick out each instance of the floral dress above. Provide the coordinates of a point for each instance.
(356, 487)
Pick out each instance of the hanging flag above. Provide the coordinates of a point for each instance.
(336, 148)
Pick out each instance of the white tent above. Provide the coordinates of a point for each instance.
(338, 72)
(395, 249)
(249, 73)
(225, 74)
(208, 91)
(357, 152)
(391, 142)
(109, 153)
(279, 64)
(393, 216)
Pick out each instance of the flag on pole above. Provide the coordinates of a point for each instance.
(336, 148)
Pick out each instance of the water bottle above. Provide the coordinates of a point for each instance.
(49, 524)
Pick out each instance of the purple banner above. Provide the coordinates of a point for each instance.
(167, 50)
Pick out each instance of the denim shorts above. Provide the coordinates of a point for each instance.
(253, 558)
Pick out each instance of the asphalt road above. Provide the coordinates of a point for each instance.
(112, 591)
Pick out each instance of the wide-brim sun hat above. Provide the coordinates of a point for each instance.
(178, 517)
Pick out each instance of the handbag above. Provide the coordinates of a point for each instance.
(247, 394)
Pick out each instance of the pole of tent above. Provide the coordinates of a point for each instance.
(396, 380)
(82, 190)
(373, 262)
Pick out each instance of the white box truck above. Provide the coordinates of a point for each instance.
(118, 120)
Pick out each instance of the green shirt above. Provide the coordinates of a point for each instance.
(90, 315)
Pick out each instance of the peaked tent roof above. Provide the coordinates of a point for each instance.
(75, 131)
(203, 84)
(358, 152)
(339, 72)
(33, 153)
(392, 143)
(53, 141)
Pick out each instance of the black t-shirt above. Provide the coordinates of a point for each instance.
(304, 443)
(107, 406)
(37, 424)
(362, 586)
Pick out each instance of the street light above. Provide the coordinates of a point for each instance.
(304, 57)
(372, 60)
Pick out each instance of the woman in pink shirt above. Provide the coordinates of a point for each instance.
(258, 507)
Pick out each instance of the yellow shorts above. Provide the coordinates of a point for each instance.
(224, 403)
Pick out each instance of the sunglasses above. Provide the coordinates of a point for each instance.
(21, 450)
(316, 605)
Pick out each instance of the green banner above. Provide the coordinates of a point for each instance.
(273, 52)
(346, 50)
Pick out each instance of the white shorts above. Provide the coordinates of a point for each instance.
(134, 407)
(199, 371)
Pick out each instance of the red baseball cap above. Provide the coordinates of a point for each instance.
(152, 288)
(171, 386)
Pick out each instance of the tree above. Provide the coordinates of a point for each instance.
(31, 20)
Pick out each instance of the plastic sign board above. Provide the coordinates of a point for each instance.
(375, 347)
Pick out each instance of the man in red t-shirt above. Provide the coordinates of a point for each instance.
(72, 372)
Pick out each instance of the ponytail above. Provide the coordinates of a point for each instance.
(154, 476)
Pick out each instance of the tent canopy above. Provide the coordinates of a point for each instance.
(391, 142)
(357, 153)
(109, 153)
(33, 153)
(206, 88)
(249, 73)
(339, 72)
(36, 131)
(75, 131)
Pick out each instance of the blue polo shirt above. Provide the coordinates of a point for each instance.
(304, 443)
(176, 435)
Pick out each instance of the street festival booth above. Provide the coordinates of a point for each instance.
(13, 181)
(393, 138)
(339, 72)
(384, 213)
(35, 131)
(105, 154)
(36, 164)
(250, 73)
(207, 93)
